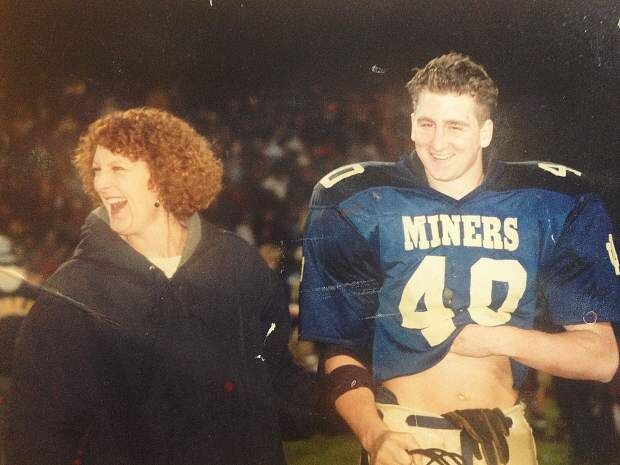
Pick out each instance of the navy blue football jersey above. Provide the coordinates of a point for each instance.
(395, 266)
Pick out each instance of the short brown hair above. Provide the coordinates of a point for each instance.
(457, 73)
(183, 167)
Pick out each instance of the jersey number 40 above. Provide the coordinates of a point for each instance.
(428, 281)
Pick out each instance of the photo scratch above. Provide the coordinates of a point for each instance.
(361, 287)
(590, 317)
(381, 315)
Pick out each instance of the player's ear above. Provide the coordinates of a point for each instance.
(486, 133)
(412, 120)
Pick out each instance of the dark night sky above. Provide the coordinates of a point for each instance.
(556, 62)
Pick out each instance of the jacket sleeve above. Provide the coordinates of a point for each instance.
(275, 323)
(297, 392)
(54, 391)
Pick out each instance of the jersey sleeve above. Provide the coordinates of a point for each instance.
(340, 281)
(580, 279)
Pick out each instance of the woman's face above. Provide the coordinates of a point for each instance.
(123, 187)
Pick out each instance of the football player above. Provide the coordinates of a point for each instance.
(421, 279)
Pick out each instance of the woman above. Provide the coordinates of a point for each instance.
(180, 332)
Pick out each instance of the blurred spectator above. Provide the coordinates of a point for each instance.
(272, 254)
(15, 281)
(16, 298)
(17, 295)
(587, 416)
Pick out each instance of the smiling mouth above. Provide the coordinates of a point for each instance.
(117, 205)
(440, 157)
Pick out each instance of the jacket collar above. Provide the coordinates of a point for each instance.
(99, 243)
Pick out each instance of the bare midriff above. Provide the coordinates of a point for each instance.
(457, 382)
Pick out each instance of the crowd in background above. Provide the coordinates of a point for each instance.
(274, 148)
(274, 145)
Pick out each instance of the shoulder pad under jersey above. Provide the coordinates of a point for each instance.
(348, 180)
(541, 175)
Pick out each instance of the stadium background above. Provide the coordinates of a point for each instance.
(286, 90)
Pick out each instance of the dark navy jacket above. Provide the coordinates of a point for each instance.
(149, 370)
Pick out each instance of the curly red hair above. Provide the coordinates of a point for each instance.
(183, 166)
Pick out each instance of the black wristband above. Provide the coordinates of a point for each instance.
(347, 378)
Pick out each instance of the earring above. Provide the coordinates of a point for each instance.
(157, 204)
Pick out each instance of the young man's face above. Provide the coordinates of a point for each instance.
(449, 139)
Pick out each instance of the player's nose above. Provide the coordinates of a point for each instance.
(438, 140)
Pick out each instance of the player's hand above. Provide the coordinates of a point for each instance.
(488, 429)
(477, 341)
(391, 448)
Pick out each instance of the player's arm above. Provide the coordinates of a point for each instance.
(357, 407)
(579, 280)
(338, 297)
(583, 351)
